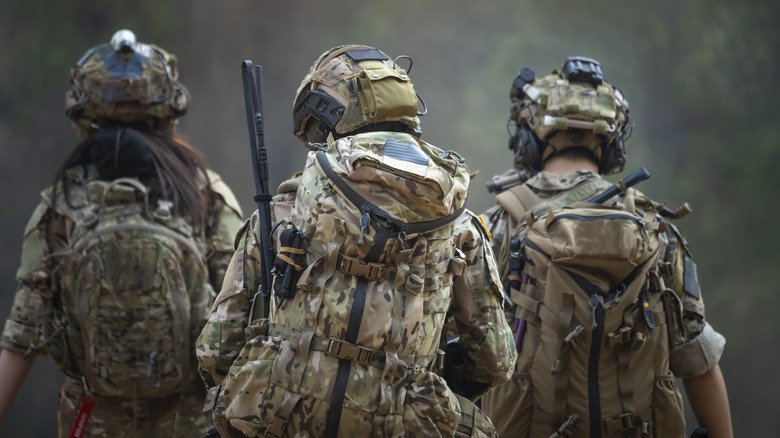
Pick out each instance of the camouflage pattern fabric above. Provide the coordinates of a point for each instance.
(264, 371)
(178, 416)
(555, 105)
(34, 326)
(372, 90)
(139, 86)
(694, 346)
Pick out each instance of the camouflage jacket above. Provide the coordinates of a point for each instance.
(36, 295)
(699, 347)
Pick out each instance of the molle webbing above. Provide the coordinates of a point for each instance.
(366, 207)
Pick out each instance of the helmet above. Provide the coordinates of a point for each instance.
(354, 88)
(125, 82)
(571, 108)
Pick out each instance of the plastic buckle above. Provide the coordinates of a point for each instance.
(620, 336)
(572, 339)
(627, 420)
(345, 350)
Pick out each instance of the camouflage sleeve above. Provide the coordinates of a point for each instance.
(487, 338)
(700, 346)
(222, 338)
(225, 218)
(498, 221)
(34, 300)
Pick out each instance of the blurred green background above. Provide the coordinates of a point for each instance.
(700, 76)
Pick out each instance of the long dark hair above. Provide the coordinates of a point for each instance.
(170, 168)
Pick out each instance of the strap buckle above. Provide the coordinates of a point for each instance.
(345, 350)
(352, 266)
(620, 336)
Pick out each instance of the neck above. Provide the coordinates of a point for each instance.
(564, 165)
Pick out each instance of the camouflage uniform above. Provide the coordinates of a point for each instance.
(695, 346)
(409, 401)
(32, 319)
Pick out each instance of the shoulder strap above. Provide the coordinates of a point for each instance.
(518, 200)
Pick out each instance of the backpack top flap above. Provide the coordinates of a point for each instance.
(409, 179)
(603, 245)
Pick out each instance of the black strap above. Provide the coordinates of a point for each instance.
(365, 206)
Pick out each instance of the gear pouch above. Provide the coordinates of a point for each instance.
(387, 93)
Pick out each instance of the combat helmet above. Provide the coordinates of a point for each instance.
(125, 81)
(571, 108)
(351, 89)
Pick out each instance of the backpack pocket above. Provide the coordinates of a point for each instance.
(601, 245)
(431, 409)
(248, 381)
(668, 417)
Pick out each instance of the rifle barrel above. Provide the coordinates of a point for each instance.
(252, 80)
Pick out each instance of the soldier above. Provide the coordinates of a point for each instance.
(122, 256)
(570, 129)
(386, 250)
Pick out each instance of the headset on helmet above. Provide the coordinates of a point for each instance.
(354, 88)
(571, 108)
(125, 81)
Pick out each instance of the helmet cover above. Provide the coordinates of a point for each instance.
(350, 87)
(125, 81)
(572, 107)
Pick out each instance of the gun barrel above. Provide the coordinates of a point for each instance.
(500, 183)
(632, 180)
(253, 80)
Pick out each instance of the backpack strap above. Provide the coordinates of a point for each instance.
(517, 200)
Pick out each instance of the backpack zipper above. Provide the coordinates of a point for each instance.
(611, 216)
(594, 402)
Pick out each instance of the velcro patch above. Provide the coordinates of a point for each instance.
(690, 277)
(366, 54)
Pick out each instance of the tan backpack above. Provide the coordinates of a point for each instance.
(593, 316)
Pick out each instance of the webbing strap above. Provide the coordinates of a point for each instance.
(301, 342)
(282, 415)
(627, 423)
(538, 309)
(345, 365)
(561, 379)
(365, 206)
(517, 200)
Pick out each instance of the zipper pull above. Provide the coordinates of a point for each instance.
(365, 220)
(594, 304)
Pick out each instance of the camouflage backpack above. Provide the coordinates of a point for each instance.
(593, 316)
(352, 347)
(134, 291)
